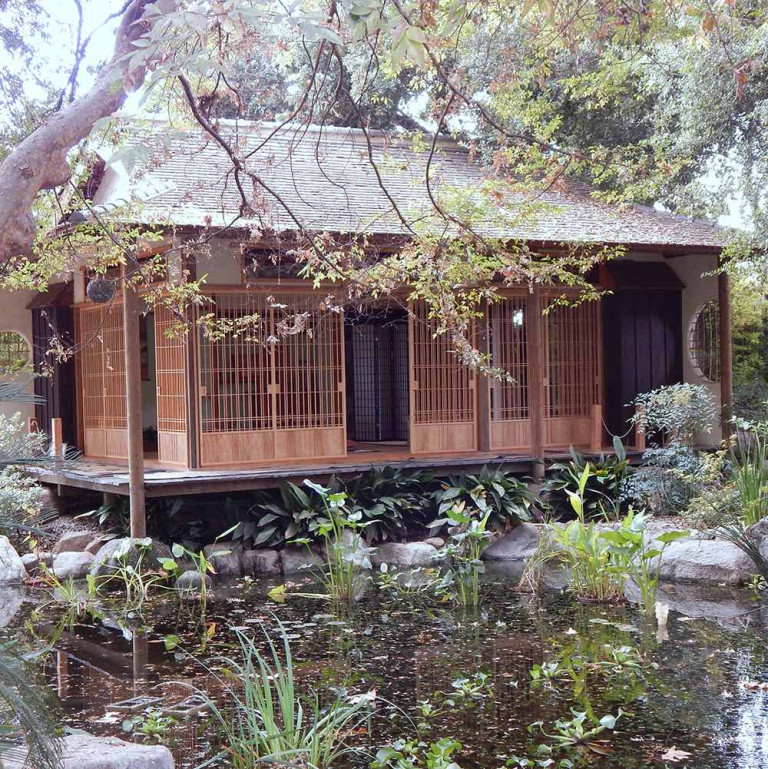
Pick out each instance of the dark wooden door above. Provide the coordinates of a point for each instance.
(55, 383)
(642, 348)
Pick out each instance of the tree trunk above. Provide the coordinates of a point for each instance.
(40, 161)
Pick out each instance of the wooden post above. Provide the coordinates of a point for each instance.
(596, 433)
(536, 381)
(639, 430)
(726, 353)
(57, 440)
(484, 387)
(133, 408)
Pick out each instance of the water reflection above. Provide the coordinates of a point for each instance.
(685, 692)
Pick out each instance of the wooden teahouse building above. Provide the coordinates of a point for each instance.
(362, 387)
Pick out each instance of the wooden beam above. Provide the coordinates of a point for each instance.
(131, 313)
(536, 381)
(483, 386)
(57, 441)
(726, 352)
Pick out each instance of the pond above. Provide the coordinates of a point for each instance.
(487, 675)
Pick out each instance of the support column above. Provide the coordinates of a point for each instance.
(133, 408)
(536, 381)
(483, 386)
(726, 353)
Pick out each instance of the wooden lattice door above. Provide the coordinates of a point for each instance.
(102, 371)
(508, 323)
(271, 387)
(572, 383)
(171, 377)
(443, 394)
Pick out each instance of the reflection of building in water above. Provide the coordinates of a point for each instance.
(90, 677)
(507, 710)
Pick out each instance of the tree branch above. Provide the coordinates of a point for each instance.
(40, 161)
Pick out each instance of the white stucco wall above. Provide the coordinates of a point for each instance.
(221, 263)
(14, 316)
(700, 287)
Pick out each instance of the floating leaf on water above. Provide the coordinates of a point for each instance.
(171, 642)
(277, 594)
(674, 755)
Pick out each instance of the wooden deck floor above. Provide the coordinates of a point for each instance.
(160, 481)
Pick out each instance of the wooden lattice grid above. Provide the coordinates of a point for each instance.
(285, 372)
(508, 333)
(102, 362)
(571, 336)
(443, 387)
(704, 341)
(171, 372)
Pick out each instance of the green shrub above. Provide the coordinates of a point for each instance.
(501, 496)
(602, 495)
(391, 501)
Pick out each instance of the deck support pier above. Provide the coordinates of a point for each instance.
(536, 382)
(726, 352)
(131, 311)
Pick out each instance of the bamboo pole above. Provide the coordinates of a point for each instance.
(133, 409)
(726, 353)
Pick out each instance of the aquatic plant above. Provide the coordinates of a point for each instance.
(567, 736)
(203, 565)
(416, 754)
(468, 537)
(263, 718)
(638, 558)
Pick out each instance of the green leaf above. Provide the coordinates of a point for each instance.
(171, 642)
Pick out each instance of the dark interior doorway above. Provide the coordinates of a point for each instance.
(642, 344)
(377, 376)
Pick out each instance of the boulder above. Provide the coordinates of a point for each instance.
(82, 751)
(11, 600)
(436, 542)
(518, 545)
(192, 581)
(226, 558)
(295, 559)
(11, 566)
(712, 561)
(261, 562)
(71, 565)
(73, 542)
(404, 554)
(96, 544)
(145, 551)
(32, 561)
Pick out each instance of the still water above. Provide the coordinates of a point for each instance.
(517, 661)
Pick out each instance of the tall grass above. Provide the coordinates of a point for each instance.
(750, 476)
(264, 719)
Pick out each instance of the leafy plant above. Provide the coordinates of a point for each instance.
(113, 518)
(639, 559)
(468, 537)
(416, 754)
(203, 565)
(603, 491)
(131, 573)
(503, 498)
(264, 719)
(674, 413)
(151, 724)
(566, 736)
(291, 513)
(750, 473)
(390, 500)
(347, 554)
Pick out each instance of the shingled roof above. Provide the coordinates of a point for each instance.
(326, 178)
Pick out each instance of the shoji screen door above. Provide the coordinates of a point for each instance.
(272, 387)
(171, 376)
(102, 371)
(443, 397)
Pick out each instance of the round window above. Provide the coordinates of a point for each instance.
(14, 352)
(704, 341)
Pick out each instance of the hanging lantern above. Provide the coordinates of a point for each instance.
(100, 290)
